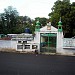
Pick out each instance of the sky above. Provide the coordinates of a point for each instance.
(30, 8)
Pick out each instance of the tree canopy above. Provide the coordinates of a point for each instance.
(11, 22)
(65, 10)
(8, 20)
(42, 20)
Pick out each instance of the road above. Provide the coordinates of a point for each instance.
(32, 64)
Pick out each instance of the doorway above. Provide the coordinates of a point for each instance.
(48, 42)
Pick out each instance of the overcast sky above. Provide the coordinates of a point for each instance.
(31, 8)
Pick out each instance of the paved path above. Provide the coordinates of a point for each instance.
(31, 64)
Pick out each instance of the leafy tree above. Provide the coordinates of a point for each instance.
(72, 18)
(42, 20)
(8, 20)
(65, 10)
(24, 22)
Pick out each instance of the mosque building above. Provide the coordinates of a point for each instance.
(46, 39)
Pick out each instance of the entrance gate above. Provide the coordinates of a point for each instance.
(48, 42)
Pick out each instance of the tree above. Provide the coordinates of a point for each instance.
(9, 20)
(42, 20)
(65, 10)
(24, 22)
(72, 18)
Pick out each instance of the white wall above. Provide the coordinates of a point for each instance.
(37, 37)
(29, 49)
(68, 42)
(59, 42)
(68, 46)
(8, 44)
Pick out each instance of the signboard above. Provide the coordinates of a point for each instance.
(49, 34)
(49, 26)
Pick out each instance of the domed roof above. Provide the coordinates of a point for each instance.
(38, 23)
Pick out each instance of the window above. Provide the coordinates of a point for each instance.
(59, 27)
(27, 47)
(19, 46)
(24, 41)
(34, 46)
(19, 41)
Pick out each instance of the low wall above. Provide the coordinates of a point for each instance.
(9, 44)
(68, 42)
(30, 47)
(68, 46)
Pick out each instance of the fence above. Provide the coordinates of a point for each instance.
(67, 43)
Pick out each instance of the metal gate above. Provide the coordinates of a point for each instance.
(48, 42)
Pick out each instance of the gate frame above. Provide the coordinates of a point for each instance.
(49, 35)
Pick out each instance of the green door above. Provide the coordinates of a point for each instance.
(48, 42)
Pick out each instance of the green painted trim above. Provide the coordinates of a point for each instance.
(59, 28)
(49, 43)
(49, 34)
(37, 27)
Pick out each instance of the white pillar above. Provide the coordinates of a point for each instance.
(59, 42)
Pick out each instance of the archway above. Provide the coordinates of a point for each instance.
(48, 42)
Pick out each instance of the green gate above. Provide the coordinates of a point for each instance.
(48, 42)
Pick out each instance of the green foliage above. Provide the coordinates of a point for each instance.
(11, 22)
(8, 20)
(65, 10)
(42, 20)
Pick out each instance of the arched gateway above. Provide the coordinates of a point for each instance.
(49, 38)
(46, 39)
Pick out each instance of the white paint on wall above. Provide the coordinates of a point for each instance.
(8, 44)
(59, 42)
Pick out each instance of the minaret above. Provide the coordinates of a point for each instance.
(37, 34)
(60, 26)
(37, 28)
(60, 37)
